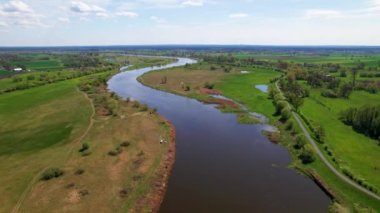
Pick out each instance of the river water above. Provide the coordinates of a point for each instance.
(222, 166)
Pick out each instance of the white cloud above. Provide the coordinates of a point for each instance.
(64, 19)
(323, 14)
(19, 13)
(194, 3)
(158, 20)
(87, 9)
(238, 15)
(3, 24)
(374, 5)
(169, 3)
(127, 14)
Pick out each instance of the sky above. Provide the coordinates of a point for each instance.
(145, 22)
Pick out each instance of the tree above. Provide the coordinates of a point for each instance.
(295, 100)
(307, 156)
(354, 72)
(320, 134)
(285, 114)
(300, 142)
(345, 90)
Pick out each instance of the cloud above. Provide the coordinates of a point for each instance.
(3, 24)
(323, 14)
(64, 19)
(158, 20)
(238, 15)
(17, 12)
(169, 3)
(127, 14)
(194, 3)
(87, 9)
(374, 5)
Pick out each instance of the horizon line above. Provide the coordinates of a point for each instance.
(189, 45)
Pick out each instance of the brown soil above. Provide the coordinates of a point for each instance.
(160, 182)
(209, 91)
(222, 103)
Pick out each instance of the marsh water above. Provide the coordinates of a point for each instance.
(222, 166)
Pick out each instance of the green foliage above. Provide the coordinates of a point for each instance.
(307, 156)
(345, 90)
(209, 85)
(51, 173)
(320, 134)
(285, 114)
(300, 142)
(365, 119)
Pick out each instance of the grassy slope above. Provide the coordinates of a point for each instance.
(353, 150)
(105, 176)
(41, 127)
(49, 116)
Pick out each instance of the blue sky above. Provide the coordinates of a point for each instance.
(126, 22)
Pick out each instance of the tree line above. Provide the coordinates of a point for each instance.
(365, 119)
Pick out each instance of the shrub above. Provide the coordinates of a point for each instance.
(144, 108)
(307, 156)
(285, 114)
(125, 144)
(300, 142)
(289, 125)
(136, 104)
(115, 152)
(319, 134)
(84, 147)
(79, 171)
(51, 173)
(209, 85)
(329, 94)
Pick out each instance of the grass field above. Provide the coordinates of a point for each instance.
(354, 151)
(44, 127)
(241, 88)
(35, 128)
(5, 72)
(370, 60)
(41, 65)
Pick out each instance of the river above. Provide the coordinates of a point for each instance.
(221, 165)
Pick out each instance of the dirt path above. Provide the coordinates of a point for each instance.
(76, 141)
(324, 159)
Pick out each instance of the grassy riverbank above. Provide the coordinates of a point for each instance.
(121, 167)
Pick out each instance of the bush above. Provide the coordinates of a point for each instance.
(329, 94)
(84, 147)
(289, 126)
(125, 144)
(307, 156)
(300, 142)
(51, 173)
(79, 171)
(285, 114)
(280, 105)
(115, 152)
(209, 85)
